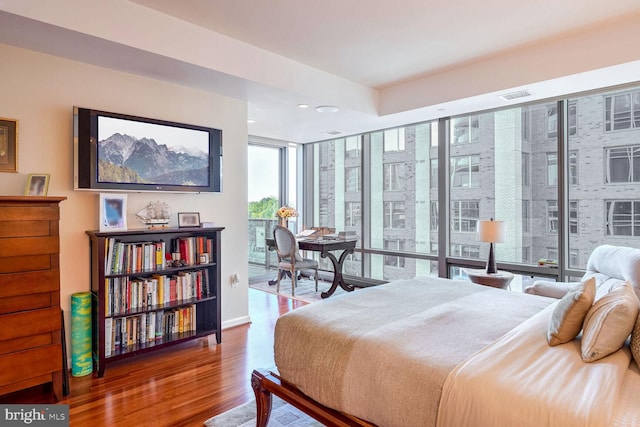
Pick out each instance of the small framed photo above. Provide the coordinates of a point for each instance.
(8, 145)
(188, 219)
(113, 212)
(37, 184)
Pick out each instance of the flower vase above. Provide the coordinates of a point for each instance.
(284, 222)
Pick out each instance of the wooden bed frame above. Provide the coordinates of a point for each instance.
(265, 383)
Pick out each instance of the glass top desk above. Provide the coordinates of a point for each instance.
(325, 247)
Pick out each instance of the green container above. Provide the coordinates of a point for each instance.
(81, 361)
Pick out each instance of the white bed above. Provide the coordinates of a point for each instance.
(437, 352)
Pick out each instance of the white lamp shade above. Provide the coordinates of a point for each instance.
(492, 231)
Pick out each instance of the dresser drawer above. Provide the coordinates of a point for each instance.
(25, 323)
(25, 303)
(35, 282)
(25, 343)
(29, 246)
(18, 264)
(16, 367)
(24, 228)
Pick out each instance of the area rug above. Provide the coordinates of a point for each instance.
(305, 291)
(282, 414)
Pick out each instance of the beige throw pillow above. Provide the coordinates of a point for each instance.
(568, 316)
(609, 323)
(635, 342)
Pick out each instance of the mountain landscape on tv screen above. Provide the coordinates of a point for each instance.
(123, 158)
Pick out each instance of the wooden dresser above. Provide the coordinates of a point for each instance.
(30, 320)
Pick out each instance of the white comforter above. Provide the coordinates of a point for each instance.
(519, 380)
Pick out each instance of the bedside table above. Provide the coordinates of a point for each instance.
(501, 279)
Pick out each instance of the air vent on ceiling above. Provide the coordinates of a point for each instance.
(515, 95)
(335, 132)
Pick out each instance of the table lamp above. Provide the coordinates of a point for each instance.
(492, 232)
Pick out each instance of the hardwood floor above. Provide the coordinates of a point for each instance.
(180, 386)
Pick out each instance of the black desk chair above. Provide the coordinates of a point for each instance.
(289, 258)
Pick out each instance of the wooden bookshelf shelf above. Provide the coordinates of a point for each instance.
(140, 302)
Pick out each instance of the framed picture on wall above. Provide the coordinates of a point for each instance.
(37, 184)
(113, 212)
(8, 145)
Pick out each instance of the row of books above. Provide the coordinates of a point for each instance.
(123, 294)
(147, 328)
(137, 257)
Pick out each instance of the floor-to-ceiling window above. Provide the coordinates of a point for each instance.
(503, 165)
(337, 192)
(272, 182)
(605, 192)
(563, 175)
(387, 175)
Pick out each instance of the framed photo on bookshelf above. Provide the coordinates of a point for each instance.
(8, 145)
(37, 184)
(113, 212)
(188, 219)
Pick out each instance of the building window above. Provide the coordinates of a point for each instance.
(352, 214)
(552, 120)
(393, 140)
(525, 169)
(352, 179)
(434, 247)
(393, 214)
(465, 251)
(394, 261)
(465, 130)
(394, 176)
(434, 173)
(465, 215)
(552, 253)
(622, 164)
(573, 257)
(526, 256)
(573, 168)
(552, 216)
(573, 216)
(526, 214)
(552, 169)
(465, 171)
(526, 124)
(573, 118)
(622, 218)
(352, 147)
(622, 111)
(434, 215)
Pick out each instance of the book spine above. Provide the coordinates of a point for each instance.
(108, 326)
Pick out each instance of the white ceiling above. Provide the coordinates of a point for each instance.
(383, 63)
(379, 43)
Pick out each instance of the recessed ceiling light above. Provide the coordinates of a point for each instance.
(251, 121)
(326, 109)
(303, 105)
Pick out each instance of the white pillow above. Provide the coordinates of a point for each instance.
(568, 316)
(609, 322)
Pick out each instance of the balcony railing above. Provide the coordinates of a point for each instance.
(259, 230)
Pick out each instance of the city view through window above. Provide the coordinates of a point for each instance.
(386, 186)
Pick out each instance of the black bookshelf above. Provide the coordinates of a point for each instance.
(207, 305)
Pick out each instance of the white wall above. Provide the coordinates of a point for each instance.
(40, 91)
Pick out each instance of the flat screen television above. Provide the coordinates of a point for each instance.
(118, 152)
